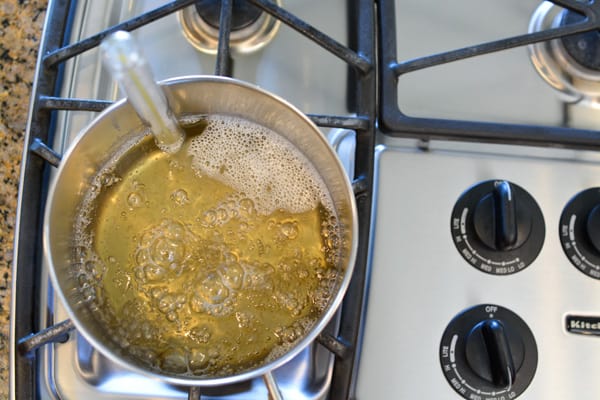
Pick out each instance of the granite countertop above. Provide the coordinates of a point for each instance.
(21, 24)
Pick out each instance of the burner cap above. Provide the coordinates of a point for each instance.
(570, 64)
(584, 48)
(243, 14)
(251, 28)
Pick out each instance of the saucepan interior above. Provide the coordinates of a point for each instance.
(116, 130)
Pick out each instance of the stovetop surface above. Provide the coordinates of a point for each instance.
(418, 281)
(499, 87)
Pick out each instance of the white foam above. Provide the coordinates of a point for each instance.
(256, 161)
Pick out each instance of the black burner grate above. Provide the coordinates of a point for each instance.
(396, 123)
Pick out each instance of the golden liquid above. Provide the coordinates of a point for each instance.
(191, 278)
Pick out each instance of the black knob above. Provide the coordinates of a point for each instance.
(495, 219)
(593, 228)
(498, 227)
(488, 351)
(580, 231)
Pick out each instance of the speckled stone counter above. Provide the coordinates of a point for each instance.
(21, 24)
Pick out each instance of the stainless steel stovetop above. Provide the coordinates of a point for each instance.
(433, 258)
(446, 121)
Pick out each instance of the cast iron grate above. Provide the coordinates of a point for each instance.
(394, 122)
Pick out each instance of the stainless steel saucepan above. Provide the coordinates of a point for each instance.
(112, 129)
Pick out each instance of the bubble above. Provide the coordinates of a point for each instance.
(209, 218)
(83, 280)
(198, 361)
(157, 292)
(154, 272)
(108, 179)
(285, 334)
(333, 241)
(135, 200)
(243, 318)
(222, 215)
(259, 277)
(196, 304)
(172, 316)
(175, 165)
(200, 334)
(230, 257)
(95, 188)
(174, 230)
(140, 274)
(213, 290)
(142, 257)
(163, 249)
(79, 254)
(232, 275)
(166, 304)
(166, 252)
(180, 300)
(180, 197)
(214, 352)
(247, 206)
(290, 302)
(147, 237)
(303, 273)
(289, 230)
(174, 360)
(94, 268)
(122, 280)
(88, 294)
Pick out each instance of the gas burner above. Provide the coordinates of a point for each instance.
(570, 64)
(582, 48)
(251, 29)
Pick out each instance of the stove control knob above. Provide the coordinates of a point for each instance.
(498, 227)
(580, 231)
(495, 219)
(488, 352)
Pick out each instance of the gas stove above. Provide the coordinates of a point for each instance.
(475, 169)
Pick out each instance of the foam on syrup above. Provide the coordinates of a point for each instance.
(258, 162)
